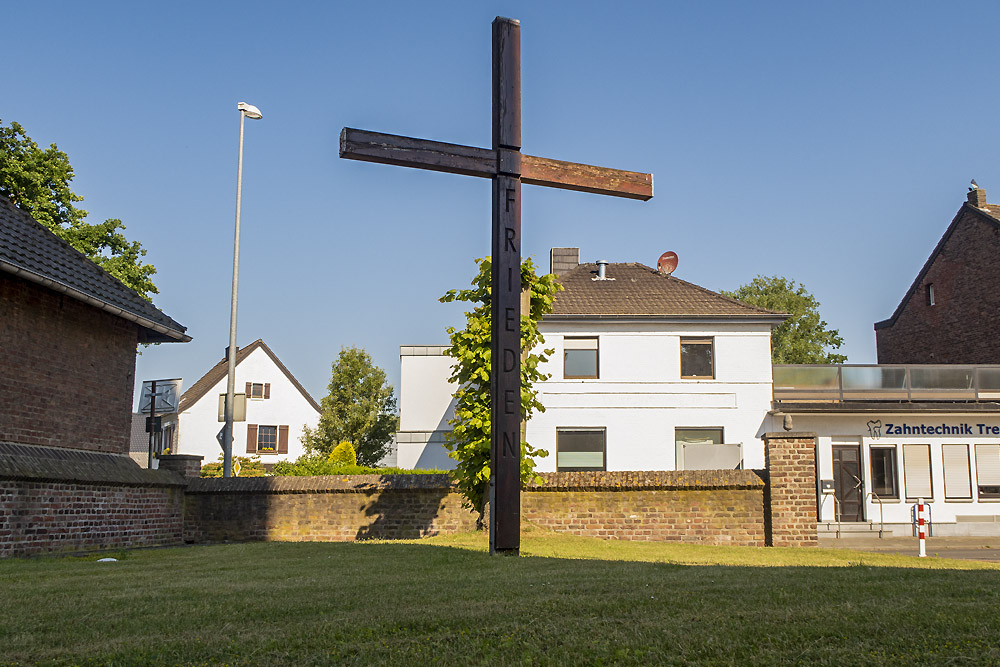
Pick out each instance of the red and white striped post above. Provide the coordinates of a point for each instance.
(921, 527)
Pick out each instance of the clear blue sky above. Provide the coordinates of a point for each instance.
(831, 143)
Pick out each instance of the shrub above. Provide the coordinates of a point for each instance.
(318, 465)
(249, 467)
(344, 454)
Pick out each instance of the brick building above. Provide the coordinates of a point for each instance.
(948, 315)
(68, 338)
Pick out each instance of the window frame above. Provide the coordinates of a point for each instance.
(586, 429)
(989, 496)
(944, 472)
(260, 438)
(697, 340)
(597, 357)
(930, 473)
(678, 458)
(895, 472)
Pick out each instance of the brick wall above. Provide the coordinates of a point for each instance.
(959, 327)
(713, 507)
(68, 371)
(45, 517)
(60, 500)
(704, 506)
(790, 503)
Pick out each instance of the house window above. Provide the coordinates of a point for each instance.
(930, 294)
(258, 390)
(957, 482)
(265, 439)
(580, 358)
(697, 358)
(703, 449)
(988, 470)
(917, 472)
(885, 473)
(580, 449)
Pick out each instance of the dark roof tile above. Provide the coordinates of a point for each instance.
(32, 252)
(636, 290)
(221, 370)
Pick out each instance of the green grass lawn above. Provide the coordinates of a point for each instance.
(567, 600)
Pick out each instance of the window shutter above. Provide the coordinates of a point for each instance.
(249, 389)
(267, 390)
(251, 438)
(282, 439)
(956, 471)
(917, 471)
(988, 465)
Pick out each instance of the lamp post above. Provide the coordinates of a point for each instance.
(246, 111)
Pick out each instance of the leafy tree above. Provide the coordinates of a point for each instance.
(360, 409)
(469, 440)
(37, 181)
(801, 339)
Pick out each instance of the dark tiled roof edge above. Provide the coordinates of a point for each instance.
(32, 252)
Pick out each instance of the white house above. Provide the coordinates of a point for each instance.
(277, 408)
(649, 373)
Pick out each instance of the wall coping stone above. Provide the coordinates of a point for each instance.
(559, 481)
(647, 480)
(55, 464)
(789, 435)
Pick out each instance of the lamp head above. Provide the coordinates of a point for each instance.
(249, 110)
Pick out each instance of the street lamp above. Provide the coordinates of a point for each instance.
(246, 111)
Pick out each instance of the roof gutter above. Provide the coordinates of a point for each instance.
(773, 320)
(31, 276)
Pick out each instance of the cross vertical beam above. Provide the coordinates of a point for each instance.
(505, 299)
(509, 169)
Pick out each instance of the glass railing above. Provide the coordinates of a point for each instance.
(854, 382)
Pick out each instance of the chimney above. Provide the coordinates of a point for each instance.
(602, 269)
(977, 197)
(562, 260)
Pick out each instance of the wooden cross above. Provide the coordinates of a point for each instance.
(508, 168)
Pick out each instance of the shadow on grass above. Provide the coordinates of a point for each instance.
(446, 601)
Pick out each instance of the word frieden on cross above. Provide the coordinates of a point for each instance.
(508, 168)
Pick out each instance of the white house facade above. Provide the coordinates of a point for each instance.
(277, 409)
(649, 372)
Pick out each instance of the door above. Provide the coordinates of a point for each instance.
(847, 483)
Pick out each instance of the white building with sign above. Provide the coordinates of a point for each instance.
(890, 435)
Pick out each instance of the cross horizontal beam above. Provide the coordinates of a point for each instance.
(482, 163)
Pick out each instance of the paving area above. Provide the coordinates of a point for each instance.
(965, 548)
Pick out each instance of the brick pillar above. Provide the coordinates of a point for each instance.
(185, 465)
(790, 512)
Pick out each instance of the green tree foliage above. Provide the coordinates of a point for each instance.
(250, 466)
(344, 454)
(37, 181)
(469, 440)
(801, 339)
(360, 409)
(311, 465)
